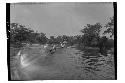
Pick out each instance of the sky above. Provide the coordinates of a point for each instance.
(64, 18)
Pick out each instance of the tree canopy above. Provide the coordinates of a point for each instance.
(90, 37)
(91, 33)
(110, 27)
(21, 34)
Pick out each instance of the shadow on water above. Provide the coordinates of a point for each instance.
(97, 62)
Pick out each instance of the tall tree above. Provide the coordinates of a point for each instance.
(91, 32)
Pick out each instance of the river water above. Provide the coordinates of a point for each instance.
(64, 64)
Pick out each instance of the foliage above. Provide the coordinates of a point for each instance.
(41, 38)
(20, 34)
(110, 27)
(91, 33)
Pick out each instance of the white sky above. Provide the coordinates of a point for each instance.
(60, 18)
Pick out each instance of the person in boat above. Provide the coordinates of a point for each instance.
(63, 44)
(53, 49)
(50, 49)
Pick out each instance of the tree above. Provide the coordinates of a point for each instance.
(91, 32)
(18, 33)
(51, 40)
(110, 27)
(59, 39)
(41, 38)
(65, 38)
(21, 34)
(102, 44)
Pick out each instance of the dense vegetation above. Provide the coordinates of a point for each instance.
(91, 36)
